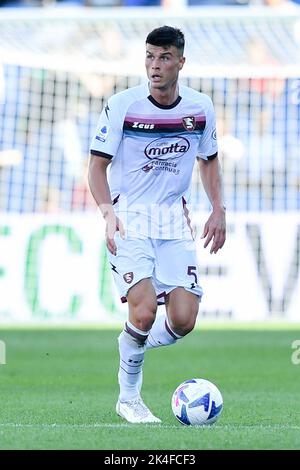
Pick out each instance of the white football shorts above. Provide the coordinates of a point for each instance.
(168, 263)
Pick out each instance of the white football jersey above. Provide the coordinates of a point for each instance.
(153, 148)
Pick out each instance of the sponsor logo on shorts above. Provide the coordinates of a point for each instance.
(165, 148)
(128, 277)
(189, 123)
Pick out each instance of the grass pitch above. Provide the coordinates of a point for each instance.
(59, 388)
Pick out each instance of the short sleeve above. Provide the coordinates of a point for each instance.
(208, 146)
(109, 131)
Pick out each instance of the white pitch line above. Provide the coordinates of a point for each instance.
(81, 426)
(161, 426)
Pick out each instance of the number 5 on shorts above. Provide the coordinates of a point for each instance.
(192, 270)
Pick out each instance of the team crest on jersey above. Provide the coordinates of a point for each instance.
(189, 123)
(128, 277)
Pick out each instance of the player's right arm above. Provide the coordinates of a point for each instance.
(104, 148)
(99, 188)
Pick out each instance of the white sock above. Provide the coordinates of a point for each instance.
(132, 347)
(161, 333)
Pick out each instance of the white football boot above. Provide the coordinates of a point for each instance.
(135, 411)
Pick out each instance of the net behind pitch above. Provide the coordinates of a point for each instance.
(59, 70)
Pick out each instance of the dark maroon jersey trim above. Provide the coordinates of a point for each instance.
(211, 157)
(164, 106)
(96, 153)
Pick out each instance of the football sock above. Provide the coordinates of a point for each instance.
(132, 347)
(161, 333)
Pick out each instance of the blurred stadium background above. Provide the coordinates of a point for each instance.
(58, 65)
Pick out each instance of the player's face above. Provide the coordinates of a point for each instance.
(163, 66)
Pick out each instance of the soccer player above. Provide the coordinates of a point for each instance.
(150, 137)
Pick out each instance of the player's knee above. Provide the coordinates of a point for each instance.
(190, 325)
(184, 324)
(142, 313)
(144, 318)
(183, 329)
(142, 305)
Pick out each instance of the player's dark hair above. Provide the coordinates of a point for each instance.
(166, 36)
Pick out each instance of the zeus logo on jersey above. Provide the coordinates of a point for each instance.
(140, 125)
(167, 147)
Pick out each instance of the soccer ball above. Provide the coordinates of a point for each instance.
(197, 402)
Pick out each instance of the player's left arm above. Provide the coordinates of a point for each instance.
(215, 227)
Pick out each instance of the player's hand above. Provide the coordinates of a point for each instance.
(215, 230)
(113, 225)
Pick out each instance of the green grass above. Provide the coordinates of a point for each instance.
(58, 391)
